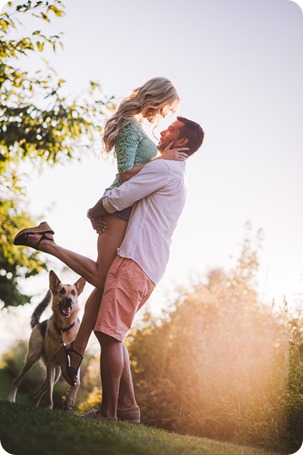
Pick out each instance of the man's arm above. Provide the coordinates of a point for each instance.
(168, 154)
(124, 176)
(150, 179)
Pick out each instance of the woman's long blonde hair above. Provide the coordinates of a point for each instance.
(156, 97)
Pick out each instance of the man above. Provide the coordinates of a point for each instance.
(157, 194)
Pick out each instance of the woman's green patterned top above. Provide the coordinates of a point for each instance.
(132, 147)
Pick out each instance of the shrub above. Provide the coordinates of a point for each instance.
(222, 365)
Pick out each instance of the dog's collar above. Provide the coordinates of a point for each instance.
(60, 330)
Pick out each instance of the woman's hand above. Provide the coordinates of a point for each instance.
(174, 154)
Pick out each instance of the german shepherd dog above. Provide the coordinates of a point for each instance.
(47, 336)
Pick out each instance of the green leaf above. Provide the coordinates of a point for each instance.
(35, 135)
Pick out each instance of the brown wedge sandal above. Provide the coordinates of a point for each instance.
(62, 356)
(22, 238)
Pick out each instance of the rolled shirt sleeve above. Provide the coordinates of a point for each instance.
(151, 178)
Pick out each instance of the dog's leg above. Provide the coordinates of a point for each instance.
(50, 379)
(17, 381)
(34, 353)
(39, 393)
(57, 374)
(72, 394)
(42, 390)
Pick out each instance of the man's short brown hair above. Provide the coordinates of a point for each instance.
(193, 132)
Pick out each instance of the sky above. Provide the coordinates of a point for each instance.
(238, 67)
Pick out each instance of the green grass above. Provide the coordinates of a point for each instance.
(25, 430)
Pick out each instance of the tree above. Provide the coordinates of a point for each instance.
(39, 126)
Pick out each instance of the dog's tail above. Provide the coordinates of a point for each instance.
(35, 319)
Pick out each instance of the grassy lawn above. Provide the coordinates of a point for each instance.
(25, 430)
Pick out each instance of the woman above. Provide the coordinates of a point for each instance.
(133, 149)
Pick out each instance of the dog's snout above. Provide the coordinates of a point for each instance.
(68, 300)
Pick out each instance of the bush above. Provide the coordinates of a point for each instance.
(222, 365)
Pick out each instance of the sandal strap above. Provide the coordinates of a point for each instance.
(21, 239)
(72, 372)
(71, 349)
(43, 237)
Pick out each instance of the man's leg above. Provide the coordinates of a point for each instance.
(126, 398)
(127, 288)
(117, 383)
(128, 408)
(112, 366)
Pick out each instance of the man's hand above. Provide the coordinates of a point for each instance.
(99, 225)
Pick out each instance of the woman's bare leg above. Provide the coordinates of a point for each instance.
(93, 271)
(107, 251)
(87, 325)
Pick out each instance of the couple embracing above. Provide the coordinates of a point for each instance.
(135, 220)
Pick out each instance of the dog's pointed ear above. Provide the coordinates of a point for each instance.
(80, 285)
(53, 280)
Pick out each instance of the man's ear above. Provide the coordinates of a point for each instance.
(181, 142)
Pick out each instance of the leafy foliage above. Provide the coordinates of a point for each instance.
(220, 365)
(294, 397)
(39, 126)
(11, 256)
